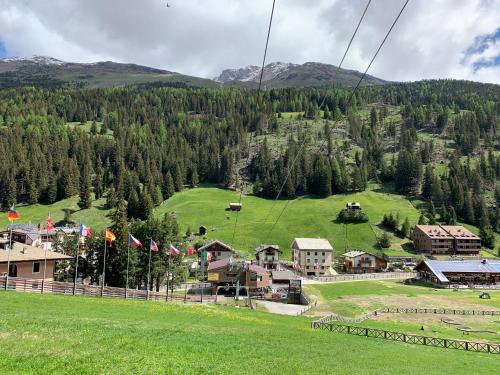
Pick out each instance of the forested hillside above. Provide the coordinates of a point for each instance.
(137, 146)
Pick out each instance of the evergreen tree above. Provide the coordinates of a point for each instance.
(168, 186)
(405, 228)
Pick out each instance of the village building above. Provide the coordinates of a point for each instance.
(312, 256)
(217, 251)
(363, 262)
(460, 272)
(27, 234)
(268, 256)
(353, 206)
(445, 240)
(224, 273)
(28, 261)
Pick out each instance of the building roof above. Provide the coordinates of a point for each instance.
(459, 231)
(354, 253)
(440, 267)
(26, 253)
(67, 230)
(264, 247)
(284, 275)
(313, 244)
(229, 248)
(219, 264)
(353, 204)
(434, 231)
(258, 269)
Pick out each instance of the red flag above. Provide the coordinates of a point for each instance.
(190, 251)
(50, 224)
(13, 215)
(132, 241)
(174, 251)
(153, 246)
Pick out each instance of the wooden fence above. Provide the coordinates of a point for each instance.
(415, 310)
(471, 346)
(367, 276)
(56, 287)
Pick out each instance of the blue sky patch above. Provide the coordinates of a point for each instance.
(481, 44)
(3, 51)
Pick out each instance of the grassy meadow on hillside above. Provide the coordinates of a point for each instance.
(85, 335)
(303, 217)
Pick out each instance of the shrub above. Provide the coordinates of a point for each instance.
(352, 216)
(385, 240)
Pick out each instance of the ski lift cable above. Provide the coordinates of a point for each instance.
(259, 89)
(336, 71)
(351, 96)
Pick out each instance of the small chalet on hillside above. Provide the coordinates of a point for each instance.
(353, 206)
(224, 272)
(363, 262)
(217, 251)
(268, 256)
(28, 261)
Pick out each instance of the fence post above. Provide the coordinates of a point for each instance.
(366, 331)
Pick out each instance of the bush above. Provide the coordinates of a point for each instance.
(385, 240)
(487, 237)
(352, 216)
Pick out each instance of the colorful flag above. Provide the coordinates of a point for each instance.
(207, 256)
(190, 251)
(85, 231)
(50, 224)
(13, 215)
(132, 241)
(173, 250)
(153, 246)
(110, 236)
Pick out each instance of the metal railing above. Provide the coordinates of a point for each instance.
(367, 276)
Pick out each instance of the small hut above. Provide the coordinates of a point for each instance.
(235, 206)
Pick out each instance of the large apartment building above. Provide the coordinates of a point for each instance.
(312, 256)
(445, 240)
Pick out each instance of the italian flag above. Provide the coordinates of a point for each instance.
(207, 256)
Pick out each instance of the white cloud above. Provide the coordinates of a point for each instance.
(202, 37)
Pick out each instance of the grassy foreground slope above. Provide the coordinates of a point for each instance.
(79, 335)
(303, 217)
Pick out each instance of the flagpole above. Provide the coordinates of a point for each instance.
(76, 261)
(128, 261)
(44, 268)
(168, 274)
(202, 273)
(104, 266)
(8, 258)
(149, 273)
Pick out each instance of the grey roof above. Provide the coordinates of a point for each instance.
(439, 267)
(284, 275)
(313, 244)
(229, 248)
(354, 253)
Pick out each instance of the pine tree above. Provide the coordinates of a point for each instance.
(422, 220)
(169, 186)
(194, 177)
(452, 217)
(11, 191)
(85, 201)
(405, 228)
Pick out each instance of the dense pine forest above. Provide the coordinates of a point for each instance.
(141, 144)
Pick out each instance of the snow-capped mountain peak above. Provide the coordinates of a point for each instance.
(251, 73)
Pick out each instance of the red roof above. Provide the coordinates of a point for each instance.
(218, 264)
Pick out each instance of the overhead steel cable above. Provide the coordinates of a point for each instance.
(252, 134)
(336, 71)
(352, 94)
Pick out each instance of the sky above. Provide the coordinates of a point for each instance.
(433, 39)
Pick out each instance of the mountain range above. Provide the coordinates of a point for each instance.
(49, 72)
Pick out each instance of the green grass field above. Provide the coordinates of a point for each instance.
(95, 217)
(358, 297)
(82, 335)
(304, 217)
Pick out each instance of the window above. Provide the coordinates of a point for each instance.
(218, 253)
(323, 253)
(316, 253)
(36, 267)
(308, 253)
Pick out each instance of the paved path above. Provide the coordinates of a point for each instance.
(281, 308)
